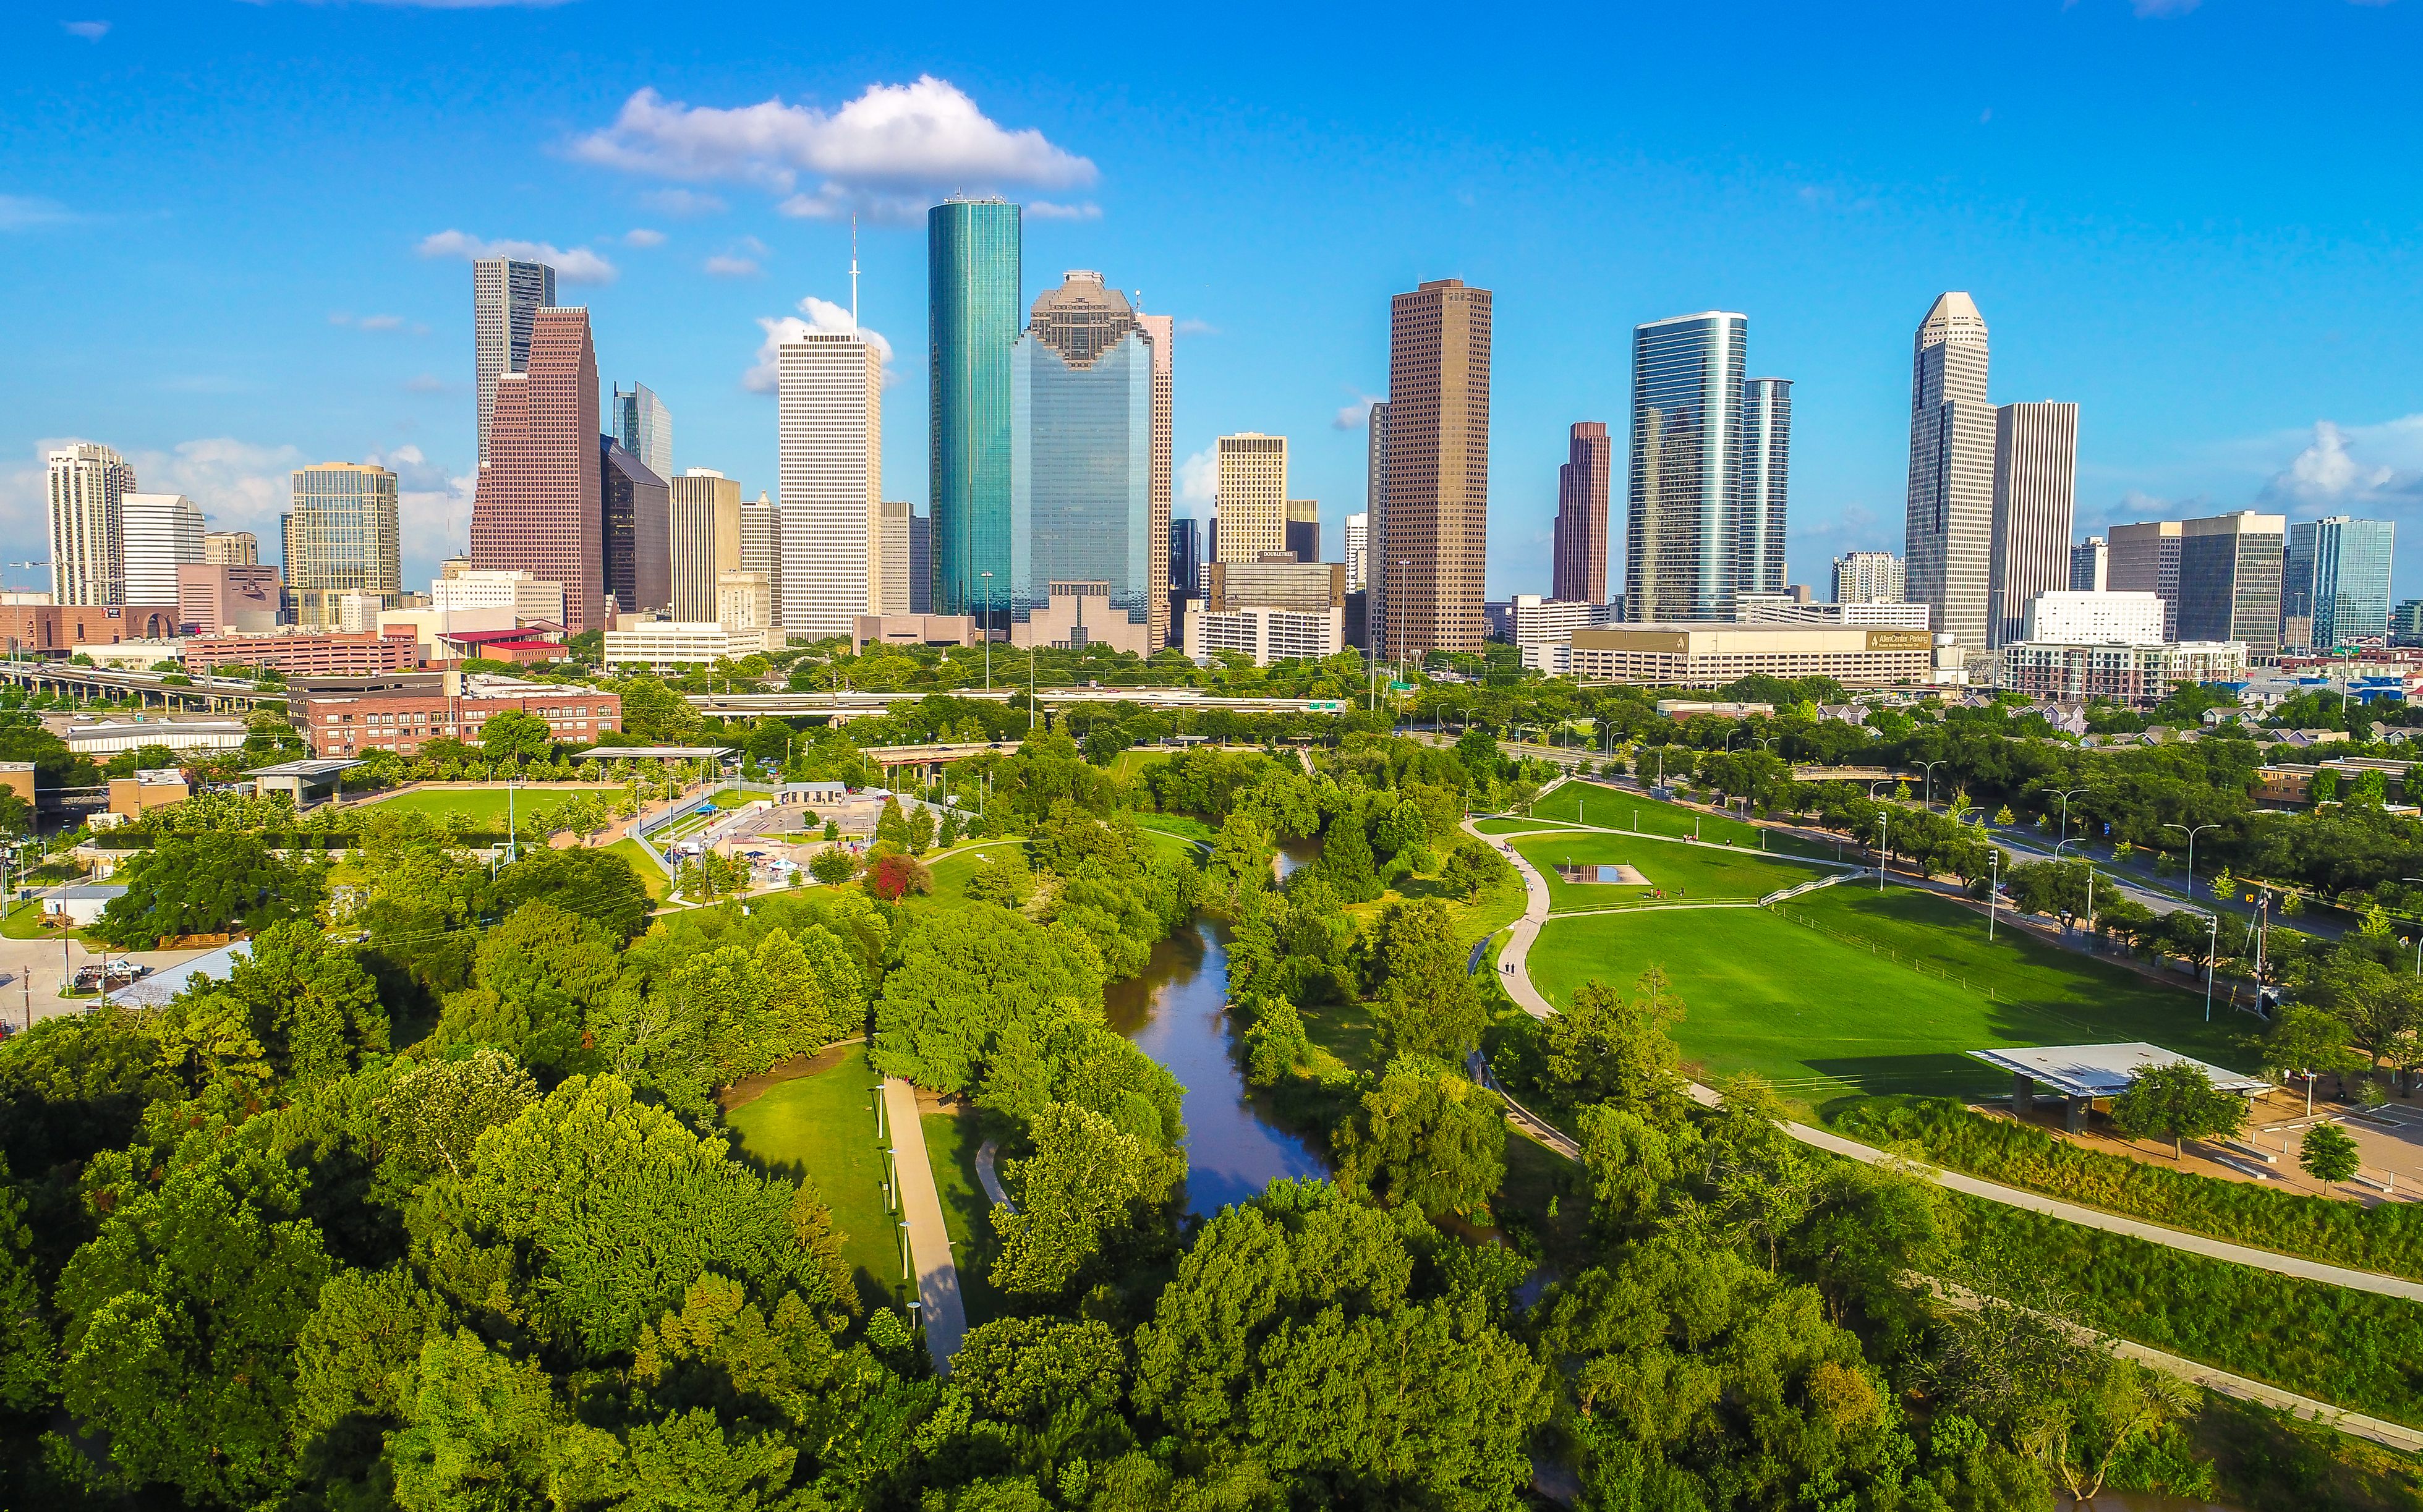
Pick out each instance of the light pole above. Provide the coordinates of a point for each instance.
(1884, 832)
(2065, 795)
(1927, 800)
(2212, 948)
(2192, 835)
(1993, 889)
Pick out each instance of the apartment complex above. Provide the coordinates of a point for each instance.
(88, 487)
(160, 533)
(328, 654)
(1868, 578)
(1766, 455)
(1682, 495)
(2138, 675)
(355, 724)
(1266, 634)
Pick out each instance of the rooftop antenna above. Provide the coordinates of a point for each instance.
(853, 272)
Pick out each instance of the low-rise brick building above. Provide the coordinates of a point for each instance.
(355, 724)
(331, 654)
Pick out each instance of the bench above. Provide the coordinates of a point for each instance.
(2237, 1147)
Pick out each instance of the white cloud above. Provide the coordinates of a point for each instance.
(765, 376)
(681, 202)
(2352, 466)
(26, 213)
(1190, 326)
(92, 31)
(1199, 477)
(427, 382)
(2163, 10)
(1356, 415)
(883, 154)
(579, 265)
(1046, 210)
(642, 236)
(723, 265)
(367, 322)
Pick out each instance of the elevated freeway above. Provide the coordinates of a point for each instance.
(209, 695)
(792, 704)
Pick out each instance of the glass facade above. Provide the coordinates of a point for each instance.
(973, 328)
(645, 428)
(1683, 494)
(341, 534)
(2337, 572)
(1081, 475)
(1767, 454)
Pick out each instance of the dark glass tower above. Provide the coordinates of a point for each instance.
(1766, 453)
(1081, 438)
(1683, 495)
(973, 322)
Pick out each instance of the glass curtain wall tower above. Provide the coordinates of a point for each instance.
(972, 326)
(2338, 580)
(1683, 493)
(645, 428)
(1766, 455)
(1950, 517)
(1082, 463)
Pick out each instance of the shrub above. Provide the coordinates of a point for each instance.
(893, 877)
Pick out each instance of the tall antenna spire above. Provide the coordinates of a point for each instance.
(853, 273)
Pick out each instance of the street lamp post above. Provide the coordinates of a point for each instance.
(1884, 833)
(1993, 889)
(1927, 800)
(2065, 795)
(2212, 949)
(2192, 835)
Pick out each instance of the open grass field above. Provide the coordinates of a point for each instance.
(484, 804)
(824, 1126)
(1516, 827)
(651, 876)
(1702, 873)
(1608, 808)
(1183, 825)
(1821, 1016)
(25, 922)
(1495, 907)
(953, 869)
(952, 1139)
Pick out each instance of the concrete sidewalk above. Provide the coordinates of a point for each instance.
(941, 1311)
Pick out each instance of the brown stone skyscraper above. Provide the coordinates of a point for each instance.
(1438, 530)
(538, 508)
(1578, 573)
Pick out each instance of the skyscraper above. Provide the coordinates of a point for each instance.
(971, 330)
(2090, 565)
(2035, 484)
(1163, 330)
(899, 553)
(506, 296)
(2145, 558)
(1438, 468)
(1186, 555)
(1358, 549)
(1868, 578)
(1303, 529)
(538, 505)
(2336, 577)
(161, 533)
(1375, 493)
(1683, 493)
(1766, 457)
(89, 486)
(2230, 579)
(340, 536)
(1253, 496)
(831, 480)
(634, 529)
(1950, 509)
(1084, 402)
(761, 548)
(1578, 565)
(232, 549)
(645, 428)
(705, 529)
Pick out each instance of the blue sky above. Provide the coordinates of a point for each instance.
(224, 228)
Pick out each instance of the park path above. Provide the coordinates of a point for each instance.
(1517, 983)
(945, 1314)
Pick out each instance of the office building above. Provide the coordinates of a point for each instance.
(1084, 402)
(761, 547)
(705, 507)
(1951, 508)
(1266, 634)
(1577, 569)
(2090, 566)
(634, 529)
(1786, 609)
(971, 329)
(1075, 614)
(904, 548)
(1162, 332)
(158, 534)
(668, 645)
(1530, 619)
(232, 549)
(1358, 552)
(506, 297)
(1868, 578)
(1695, 653)
(2229, 580)
(1375, 507)
(223, 598)
(1185, 574)
(355, 724)
(1766, 455)
(1303, 529)
(1278, 582)
(1437, 529)
(2145, 558)
(2406, 622)
(2139, 675)
(645, 428)
(340, 536)
(88, 487)
(744, 601)
(538, 507)
(1682, 491)
(2035, 478)
(2335, 578)
(1253, 498)
(2093, 619)
(521, 595)
(333, 653)
(831, 480)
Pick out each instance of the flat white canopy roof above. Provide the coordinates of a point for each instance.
(2104, 1070)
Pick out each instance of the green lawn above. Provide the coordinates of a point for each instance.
(1703, 873)
(485, 805)
(824, 1126)
(1821, 1016)
(951, 1140)
(954, 868)
(1610, 808)
(1184, 825)
(635, 856)
(1130, 764)
(1495, 907)
(25, 922)
(1515, 827)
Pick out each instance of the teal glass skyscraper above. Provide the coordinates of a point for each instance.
(2337, 578)
(973, 322)
(1081, 479)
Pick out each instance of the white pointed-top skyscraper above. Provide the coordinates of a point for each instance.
(831, 477)
(1951, 512)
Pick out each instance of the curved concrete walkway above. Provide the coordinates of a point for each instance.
(1518, 986)
(942, 1311)
(989, 1174)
